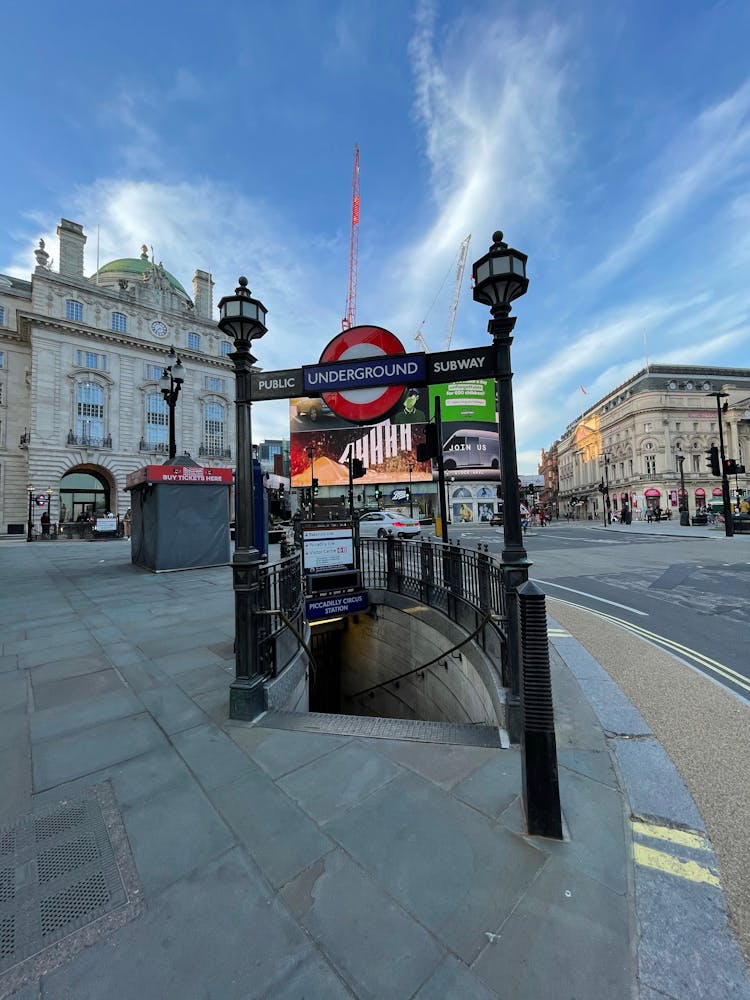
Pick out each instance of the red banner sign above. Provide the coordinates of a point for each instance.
(177, 474)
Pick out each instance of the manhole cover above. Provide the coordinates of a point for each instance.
(66, 878)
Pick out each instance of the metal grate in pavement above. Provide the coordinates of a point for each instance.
(66, 878)
(385, 729)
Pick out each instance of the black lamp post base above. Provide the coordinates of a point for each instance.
(684, 519)
(246, 699)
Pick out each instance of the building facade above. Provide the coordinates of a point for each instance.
(632, 439)
(80, 363)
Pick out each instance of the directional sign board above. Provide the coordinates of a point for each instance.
(318, 609)
(327, 546)
(356, 379)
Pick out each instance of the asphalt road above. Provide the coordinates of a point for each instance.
(690, 595)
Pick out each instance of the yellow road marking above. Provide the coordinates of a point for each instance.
(683, 837)
(720, 669)
(668, 863)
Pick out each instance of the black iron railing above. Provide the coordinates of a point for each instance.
(278, 609)
(89, 441)
(465, 585)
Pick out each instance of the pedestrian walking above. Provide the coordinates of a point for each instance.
(127, 522)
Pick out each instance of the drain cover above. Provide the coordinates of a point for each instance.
(66, 877)
(385, 729)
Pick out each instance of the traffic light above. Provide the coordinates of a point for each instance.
(358, 469)
(730, 467)
(713, 460)
(602, 487)
(377, 492)
(315, 487)
(281, 489)
(499, 492)
(430, 447)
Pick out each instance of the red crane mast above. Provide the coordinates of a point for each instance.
(350, 318)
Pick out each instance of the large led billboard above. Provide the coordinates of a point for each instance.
(389, 447)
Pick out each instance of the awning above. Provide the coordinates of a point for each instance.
(700, 492)
(654, 493)
(716, 491)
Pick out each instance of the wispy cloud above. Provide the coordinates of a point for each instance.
(713, 149)
(490, 106)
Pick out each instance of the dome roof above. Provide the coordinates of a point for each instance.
(136, 266)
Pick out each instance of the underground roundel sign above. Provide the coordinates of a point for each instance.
(377, 346)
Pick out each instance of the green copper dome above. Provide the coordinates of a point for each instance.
(137, 266)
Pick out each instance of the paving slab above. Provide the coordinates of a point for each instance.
(61, 720)
(278, 751)
(339, 781)
(654, 785)
(172, 708)
(67, 757)
(493, 786)
(444, 764)
(453, 980)
(280, 837)
(63, 692)
(218, 934)
(379, 949)
(457, 872)
(564, 939)
(211, 756)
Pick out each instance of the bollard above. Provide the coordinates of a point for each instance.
(541, 791)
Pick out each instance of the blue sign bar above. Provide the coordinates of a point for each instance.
(364, 373)
(318, 609)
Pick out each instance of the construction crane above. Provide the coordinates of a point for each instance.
(350, 317)
(463, 251)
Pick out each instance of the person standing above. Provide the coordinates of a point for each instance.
(127, 522)
(45, 523)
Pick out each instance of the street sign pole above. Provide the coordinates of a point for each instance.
(351, 486)
(441, 472)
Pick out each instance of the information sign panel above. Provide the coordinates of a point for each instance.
(327, 547)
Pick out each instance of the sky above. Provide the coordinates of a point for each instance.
(609, 141)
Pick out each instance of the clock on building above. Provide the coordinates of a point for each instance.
(158, 328)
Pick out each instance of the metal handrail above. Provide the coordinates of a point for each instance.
(280, 588)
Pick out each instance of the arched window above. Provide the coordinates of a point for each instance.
(213, 429)
(73, 310)
(157, 422)
(119, 322)
(90, 413)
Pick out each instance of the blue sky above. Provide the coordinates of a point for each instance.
(609, 141)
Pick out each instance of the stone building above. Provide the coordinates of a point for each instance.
(80, 363)
(630, 440)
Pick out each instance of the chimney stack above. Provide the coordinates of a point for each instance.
(203, 289)
(72, 241)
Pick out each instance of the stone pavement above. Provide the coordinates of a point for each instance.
(151, 848)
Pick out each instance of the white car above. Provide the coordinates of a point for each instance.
(388, 523)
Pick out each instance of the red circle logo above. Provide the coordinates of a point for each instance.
(364, 405)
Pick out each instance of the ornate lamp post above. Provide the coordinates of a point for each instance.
(499, 279)
(411, 502)
(30, 521)
(50, 491)
(170, 384)
(244, 319)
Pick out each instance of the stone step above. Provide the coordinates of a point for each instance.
(386, 729)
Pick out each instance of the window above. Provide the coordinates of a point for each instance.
(157, 422)
(87, 359)
(1, 393)
(215, 384)
(650, 465)
(226, 348)
(194, 341)
(695, 425)
(696, 463)
(2, 315)
(647, 427)
(153, 372)
(213, 428)
(89, 413)
(677, 425)
(631, 467)
(119, 322)
(73, 310)
(2, 359)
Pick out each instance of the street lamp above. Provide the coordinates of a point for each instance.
(683, 504)
(30, 522)
(727, 503)
(411, 502)
(311, 456)
(499, 279)
(170, 384)
(243, 319)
